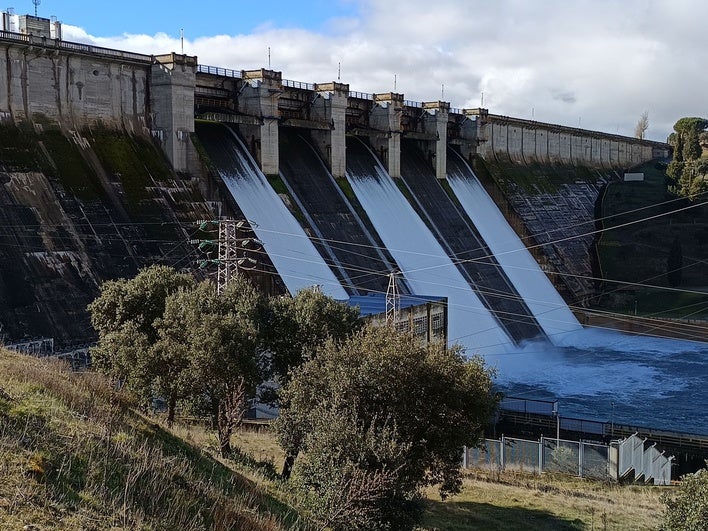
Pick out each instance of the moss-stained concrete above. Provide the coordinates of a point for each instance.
(75, 210)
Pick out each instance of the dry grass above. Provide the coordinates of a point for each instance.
(74, 455)
(511, 501)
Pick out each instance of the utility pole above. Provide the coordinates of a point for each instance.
(228, 260)
(393, 300)
(228, 256)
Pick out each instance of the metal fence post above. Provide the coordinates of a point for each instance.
(501, 453)
(464, 457)
(540, 455)
(581, 452)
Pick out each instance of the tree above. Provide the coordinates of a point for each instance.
(297, 326)
(687, 510)
(692, 147)
(687, 169)
(216, 337)
(642, 125)
(384, 407)
(693, 180)
(124, 315)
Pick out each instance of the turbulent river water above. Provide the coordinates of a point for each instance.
(613, 377)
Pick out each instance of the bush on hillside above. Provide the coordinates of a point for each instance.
(687, 510)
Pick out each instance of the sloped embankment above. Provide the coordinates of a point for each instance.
(556, 203)
(76, 210)
(75, 455)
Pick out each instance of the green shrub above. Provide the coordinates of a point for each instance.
(687, 510)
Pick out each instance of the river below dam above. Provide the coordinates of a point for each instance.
(613, 377)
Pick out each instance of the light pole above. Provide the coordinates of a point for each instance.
(558, 422)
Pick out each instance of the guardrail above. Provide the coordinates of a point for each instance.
(218, 71)
(74, 47)
(361, 95)
(298, 84)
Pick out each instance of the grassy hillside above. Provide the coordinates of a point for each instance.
(75, 455)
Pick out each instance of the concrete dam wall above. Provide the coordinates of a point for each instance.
(90, 119)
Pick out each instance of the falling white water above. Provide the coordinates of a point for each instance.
(294, 256)
(546, 305)
(425, 265)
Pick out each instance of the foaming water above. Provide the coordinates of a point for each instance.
(614, 377)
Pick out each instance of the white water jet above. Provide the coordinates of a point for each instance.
(546, 305)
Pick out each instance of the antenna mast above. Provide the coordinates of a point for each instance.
(36, 4)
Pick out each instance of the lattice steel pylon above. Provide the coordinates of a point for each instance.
(393, 300)
(228, 257)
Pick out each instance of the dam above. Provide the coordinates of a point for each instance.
(312, 140)
(341, 187)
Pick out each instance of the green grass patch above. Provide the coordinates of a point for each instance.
(511, 501)
(641, 221)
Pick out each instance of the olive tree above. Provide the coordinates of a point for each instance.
(381, 409)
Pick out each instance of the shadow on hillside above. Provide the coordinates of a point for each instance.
(218, 473)
(459, 516)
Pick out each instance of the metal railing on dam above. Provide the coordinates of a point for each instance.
(218, 71)
(302, 85)
(75, 47)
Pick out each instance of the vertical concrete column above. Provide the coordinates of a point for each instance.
(262, 101)
(387, 118)
(480, 132)
(439, 112)
(335, 97)
(172, 82)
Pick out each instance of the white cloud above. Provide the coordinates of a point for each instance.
(600, 62)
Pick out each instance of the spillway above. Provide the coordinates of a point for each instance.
(358, 254)
(293, 254)
(423, 262)
(547, 306)
(459, 237)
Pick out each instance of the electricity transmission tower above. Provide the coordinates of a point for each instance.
(230, 249)
(393, 300)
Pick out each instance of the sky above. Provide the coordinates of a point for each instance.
(595, 64)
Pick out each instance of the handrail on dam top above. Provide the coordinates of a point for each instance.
(411, 103)
(218, 71)
(74, 46)
(298, 84)
(361, 95)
